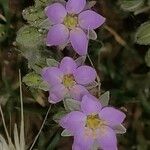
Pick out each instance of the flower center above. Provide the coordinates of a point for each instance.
(68, 80)
(71, 21)
(93, 121)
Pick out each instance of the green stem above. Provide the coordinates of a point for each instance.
(97, 77)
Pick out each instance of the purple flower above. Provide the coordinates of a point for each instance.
(70, 23)
(68, 80)
(93, 125)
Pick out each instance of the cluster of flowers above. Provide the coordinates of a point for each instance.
(93, 124)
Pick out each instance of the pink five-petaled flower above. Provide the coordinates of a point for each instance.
(93, 125)
(70, 23)
(68, 78)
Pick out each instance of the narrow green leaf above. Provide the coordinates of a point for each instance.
(80, 60)
(16, 138)
(71, 104)
(45, 24)
(22, 134)
(120, 129)
(104, 98)
(92, 85)
(92, 35)
(59, 115)
(90, 4)
(3, 144)
(52, 62)
(66, 133)
(4, 98)
(54, 142)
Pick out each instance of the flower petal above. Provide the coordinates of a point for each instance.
(90, 20)
(90, 105)
(73, 121)
(107, 139)
(112, 116)
(68, 65)
(57, 35)
(57, 93)
(85, 75)
(78, 91)
(82, 141)
(52, 75)
(75, 6)
(79, 41)
(56, 13)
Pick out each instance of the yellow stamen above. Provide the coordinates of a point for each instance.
(93, 121)
(94, 125)
(70, 21)
(68, 81)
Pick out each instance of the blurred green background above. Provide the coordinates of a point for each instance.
(121, 56)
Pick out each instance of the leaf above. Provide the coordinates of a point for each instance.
(29, 37)
(3, 144)
(71, 105)
(120, 129)
(45, 24)
(16, 138)
(44, 86)
(32, 79)
(147, 58)
(92, 85)
(4, 98)
(35, 61)
(3, 18)
(131, 5)
(80, 60)
(40, 99)
(59, 115)
(104, 98)
(41, 3)
(141, 10)
(45, 3)
(35, 81)
(52, 62)
(90, 4)
(22, 134)
(34, 15)
(54, 142)
(92, 35)
(62, 46)
(66, 133)
(143, 34)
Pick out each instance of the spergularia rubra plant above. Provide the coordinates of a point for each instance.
(68, 80)
(93, 125)
(70, 23)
